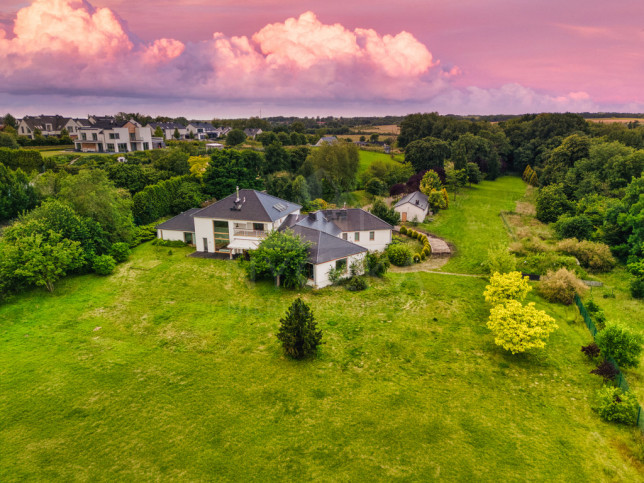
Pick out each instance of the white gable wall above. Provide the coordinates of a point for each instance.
(321, 270)
(412, 211)
(382, 238)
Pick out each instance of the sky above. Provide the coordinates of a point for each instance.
(236, 58)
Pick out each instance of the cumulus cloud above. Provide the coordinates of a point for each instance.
(70, 48)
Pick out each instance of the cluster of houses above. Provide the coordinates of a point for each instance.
(239, 222)
(104, 134)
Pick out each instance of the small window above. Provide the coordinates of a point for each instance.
(341, 265)
(357, 236)
(146, 146)
(84, 136)
(94, 136)
(309, 271)
(132, 136)
(110, 147)
(258, 226)
(344, 236)
(372, 235)
(122, 148)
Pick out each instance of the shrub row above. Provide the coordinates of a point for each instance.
(26, 159)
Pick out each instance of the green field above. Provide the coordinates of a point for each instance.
(368, 157)
(50, 153)
(170, 370)
(472, 222)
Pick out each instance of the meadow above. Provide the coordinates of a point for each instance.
(170, 369)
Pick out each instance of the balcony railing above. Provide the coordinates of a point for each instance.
(251, 233)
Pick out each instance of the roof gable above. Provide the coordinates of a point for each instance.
(355, 219)
(182, 222)
(325, 247)
(252, 206)
(416, 198)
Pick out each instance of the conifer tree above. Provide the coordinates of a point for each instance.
(298, 332)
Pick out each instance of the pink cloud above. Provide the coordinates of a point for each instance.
(163, 50)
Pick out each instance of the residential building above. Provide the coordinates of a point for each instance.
(108, 136)
(169, 128)
(327, 140)
(252, 132)
(201, 130)
(47, 125)
(413, 207)
(222, 131)
(239, 222)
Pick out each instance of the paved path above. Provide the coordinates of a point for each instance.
(439, 246)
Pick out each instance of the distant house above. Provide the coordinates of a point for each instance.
(47, 125)
(109, 136)
(327, 140)
(169, 129)
(202, 130)
(252, 132)
(242, 220)
(222, 131)
(413, 207)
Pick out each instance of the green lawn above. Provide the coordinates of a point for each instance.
(472, 222)
(368, 157)
(170, 370)
(49, 154)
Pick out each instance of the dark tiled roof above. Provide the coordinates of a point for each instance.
(167, 125)
(318, 221)
(83, 122)
(181, 222)
(416, 198)
(254, 206)
(325, 247)
(203, 125)
(39, 122)
(355, 219)
(327, 139)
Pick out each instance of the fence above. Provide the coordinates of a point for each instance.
(620, 380)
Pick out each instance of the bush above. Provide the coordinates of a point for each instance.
(637, 288)
(541, 263)
(427, 251)
(104, 265)
(506, 286)
(597, 314)
(607, 370)
(298, 331)
(376, 264)
(335, 275)
(422, 255)
(620, 344)
(592, 255)
(357, 284)
(168, 243)
(591, 350)
(561, 286)
(574, 227)
(120, 252)
(500, 260)
(399, 255)
(617, 406)
(416, 258)
(552, 203)
(403, 230)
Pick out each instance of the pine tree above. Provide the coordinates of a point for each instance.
(534, 180)
(298, 332)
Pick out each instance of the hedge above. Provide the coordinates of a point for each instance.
(26, 159)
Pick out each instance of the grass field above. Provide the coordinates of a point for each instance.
(472, 222)
(368, 157)
(170, 370)
(50, 153)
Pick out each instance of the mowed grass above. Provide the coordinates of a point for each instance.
(368, 157)
(473, 223)
(170, 370)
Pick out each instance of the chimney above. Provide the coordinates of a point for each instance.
(237, 200)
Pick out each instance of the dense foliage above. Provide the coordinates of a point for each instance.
(620, 344)
(298, 331)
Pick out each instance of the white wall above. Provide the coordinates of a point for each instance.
(204, 228)
(321, 271)
(170, 235)
(382, 238)
(412, 211)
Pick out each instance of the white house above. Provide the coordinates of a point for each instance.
(47, 125)
(242, 220)
(179, 228)
(413, 207)
(112, 137)
(201, 130)
(169, 128)
(252, 132)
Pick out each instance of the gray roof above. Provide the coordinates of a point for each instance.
(39, 122)
(318, 221)
(167, 125)
(355, 219)
(202, 125)
(181, 222)
(416, 198)
(327, 139)
(325, 247)
(253, 206)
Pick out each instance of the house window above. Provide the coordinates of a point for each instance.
(188, 237)
(344, 236)
(132, 136)
(22, 129)
(122, 148)
(48, 127)
(71, 129)
(114, 135)
(94, 136)
(341, 265)
(84, 136)
(110, 147)
(357, 236)
(372, 235)
(146, 146)
(258, 226)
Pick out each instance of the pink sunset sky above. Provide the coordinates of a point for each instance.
(220, 58)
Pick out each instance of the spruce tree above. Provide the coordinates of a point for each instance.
(298, 332)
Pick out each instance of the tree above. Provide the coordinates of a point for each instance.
(176, 134)
(16, 194)
(385, 213)
(552, 203)
(620, 344)
(90, 193)
(427, 153)
(374, 138)
(518, 328)
(43, 259)
(506, 286)
(455, 178)
(561, 286)
(173, 160)
(474, 174)
(375, 187)
(430, 182)
(335, 167)
(235, 137)
(283, 256)
(230, 168)
(300, 190)
(158, 132)
(8, 141)
(579, 227)
(298, 331)
(277, 158)
(9, 120)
